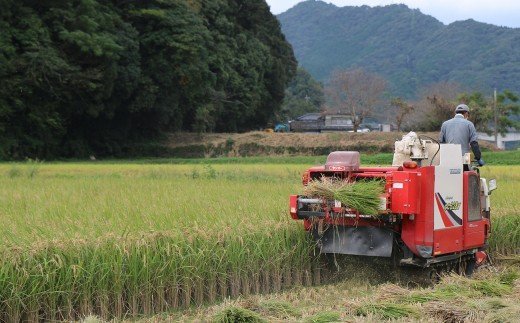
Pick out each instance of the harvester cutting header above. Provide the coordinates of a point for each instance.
(431, 207)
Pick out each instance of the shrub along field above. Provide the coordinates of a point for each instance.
(120, 239)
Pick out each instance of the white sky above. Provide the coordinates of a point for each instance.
(496, 12)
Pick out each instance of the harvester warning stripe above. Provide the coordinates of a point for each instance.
(445, 220)
(452, 214)
(450, 219)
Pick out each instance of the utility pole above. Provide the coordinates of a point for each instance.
(495, 116)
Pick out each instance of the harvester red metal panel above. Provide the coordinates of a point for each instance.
(406, 192)
(293, 206)
(417, 231)
(448, 240)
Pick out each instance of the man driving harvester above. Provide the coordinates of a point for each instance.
(460, 130)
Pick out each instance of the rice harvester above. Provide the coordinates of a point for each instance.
(434, 212)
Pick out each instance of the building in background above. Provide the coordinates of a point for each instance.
(510, 141)
(321, 122)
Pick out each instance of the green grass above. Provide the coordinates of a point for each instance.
(490, 157)
(511, 157)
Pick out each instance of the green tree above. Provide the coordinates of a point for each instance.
(65, 64)
(101, 50)
(87, 77)
(27, 73)
(303, 95)
(507, 107)
(252, 61)
(173, 45)
(480, 110)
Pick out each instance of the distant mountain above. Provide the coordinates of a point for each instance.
(407, 47)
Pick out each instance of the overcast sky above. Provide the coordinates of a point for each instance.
(496, 12)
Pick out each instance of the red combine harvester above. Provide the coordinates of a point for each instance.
(434, 213)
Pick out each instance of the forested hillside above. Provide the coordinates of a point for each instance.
(87, 77)
(410, 49)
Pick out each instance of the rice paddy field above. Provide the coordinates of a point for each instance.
(126, 239)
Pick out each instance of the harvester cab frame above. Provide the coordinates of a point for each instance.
(435, 209)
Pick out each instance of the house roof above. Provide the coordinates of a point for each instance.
(309, 117)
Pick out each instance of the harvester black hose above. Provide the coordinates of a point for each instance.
(438, 149)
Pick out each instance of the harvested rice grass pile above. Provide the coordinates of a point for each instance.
(363, 196)
(323, 188)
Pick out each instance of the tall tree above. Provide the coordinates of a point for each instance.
(507, 107)
(303, 95)
(483, 111)
(480, 110)
(175, 77)
(252, 61)
(355, 92)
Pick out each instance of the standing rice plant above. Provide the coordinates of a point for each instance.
(33, 167)
(14, 172)
(117, 277)
(505, 234)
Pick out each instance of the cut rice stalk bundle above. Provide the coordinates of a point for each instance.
(323, 188)
(449, 311)
(387, 311)
(362, 196)
(391, 292)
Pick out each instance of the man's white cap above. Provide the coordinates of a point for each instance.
(462, 108)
